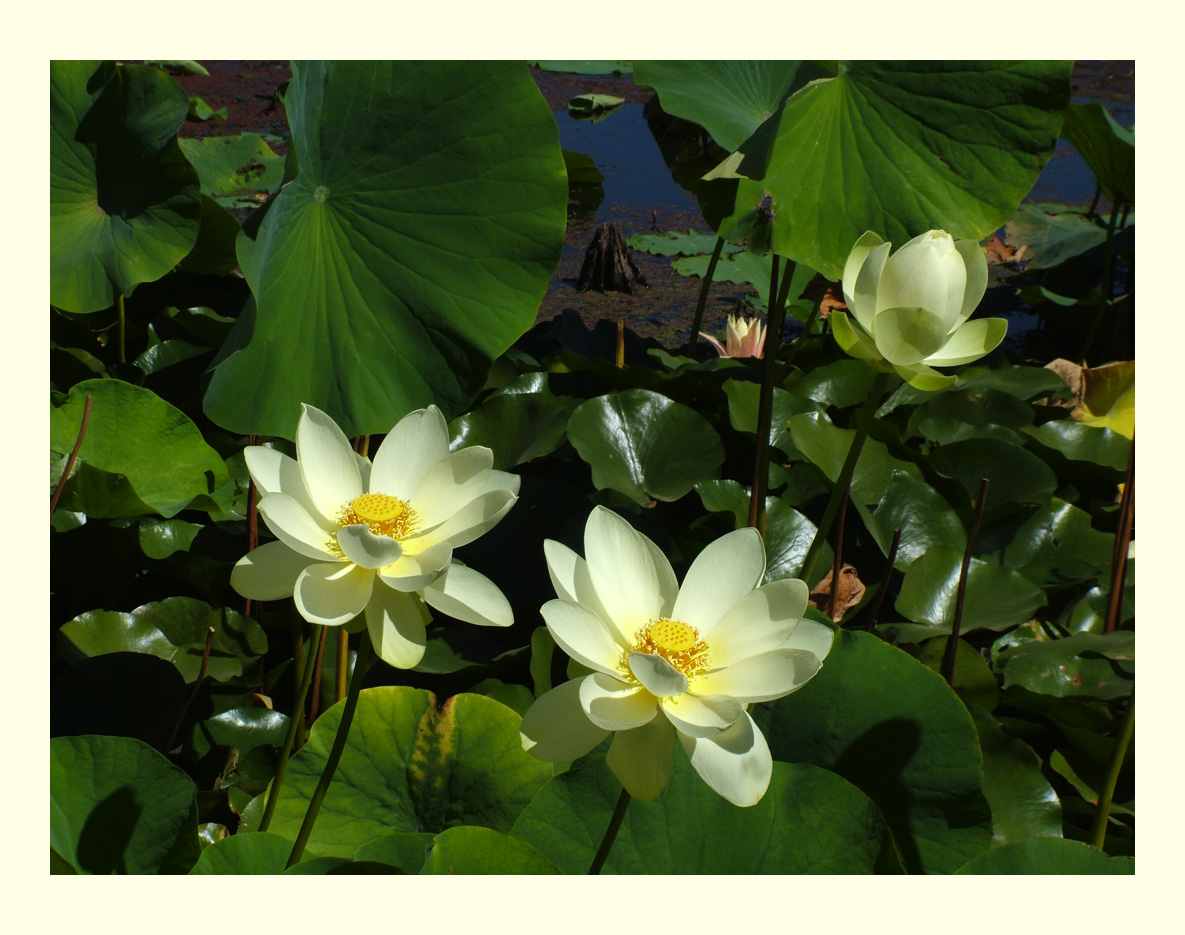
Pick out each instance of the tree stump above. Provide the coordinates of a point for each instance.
(607, 264)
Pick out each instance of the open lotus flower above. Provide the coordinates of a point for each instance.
(377, 539)
(911, 308)
(671, 662)
(743, 338)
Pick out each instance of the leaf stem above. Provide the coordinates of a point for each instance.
(289, 739)
(335, 754)
(1107, 793)
(1108, 276)
(952, 643)
(880, 595)
(838, 563)
(698, 320)
(196, 685)
(122, 328)
(343, 664)
(845, 476)
(1123, 537)
(57, 491)
(623, 802)
(765, 405)
(252, 517)
(315, 702)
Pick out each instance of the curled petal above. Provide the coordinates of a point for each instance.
(700, 715)
(861, 276)
(555, 728)
(616, 705)
(333, 594)
(852, 338)
(412, 571)
(921, 377)
(969, 342)
(906, 335)
(762, 620)
(928, 272)
(364, 548)
(977, 277)
(293, 526)
(765, 677)
(468, 595)
(583, 635)
(642, 758)
(473, 520)
(327, 462)
(269, 572)
(396, 623)
(417, 442)
(736, 762)
(657, 676)
(451, 483)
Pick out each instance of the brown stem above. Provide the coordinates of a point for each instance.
(623, 802)
(698, 321)
(316, 700)
(252, 517)
(838, 563)
(952, 643)
(343, 664)
(1123, 536)
(620, 356)
(123, 357)
(880, 595)
(196, 687)
(57, 491)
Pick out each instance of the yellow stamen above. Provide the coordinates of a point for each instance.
(677, 642)
(384, 514)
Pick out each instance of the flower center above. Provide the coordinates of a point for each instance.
(384, 514)
(677, 642)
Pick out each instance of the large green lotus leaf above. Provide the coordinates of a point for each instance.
(264, 853)
(1023, 802)
(728, 99)
(743, 401)
(410, 250)
(673, 243)
(1080, 442)
(1016, 474)
(925, 519)
(967, 412)
(996, 597)
(900, 148)
(841, 384)
(118, 806)
(809, 821)
(473, 850)
(244, 729)
(410, 766)
(232, 168)
(1062, 669)
(1021, 382)
(132, 432)
(1058, 546)
(516, 426)
(645, 445)
(404, 849)
(214, 252)
(972, 679)
(1108, 149)
(895, 729)
(827, 446)
(1048, 855)
(124, 204)
(175, 630)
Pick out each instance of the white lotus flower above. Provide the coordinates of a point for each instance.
(671, 662)
(911, 308)
(377, 539)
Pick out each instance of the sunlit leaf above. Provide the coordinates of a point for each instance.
(1048, 855)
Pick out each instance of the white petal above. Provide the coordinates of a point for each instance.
(451, 483)
(642, 758)
(762, 620)
(701, 715)
(570, 577)
(928, 272)
(327, 462)
(503, 480)
(615, 705)
(634, 580)
(395, 622)
(293, 526)
(763, 677)
(417, 442)
(969, 342)
(468, 595)
(413, 571)
(275, 472)
(364, 548)
(474, 519)
(333, 594)
(555, 728)
(977, 277)
(269, 572)
(813, 637)
(583, 635)
(864, 304)
(657, 676)
(363, 469)
(736, 763)
(723, 573)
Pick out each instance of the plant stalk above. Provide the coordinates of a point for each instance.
(1108, 275)
(765, 405)
(289, 740)
(880, 595)
(197, 686)
(698, 320)
(838, 563)
(1123, 538)
(57, 491)
(952, 644)
(343, 664)
(252, 518)
(623, 802)
(335, 754)
(845, 476)
(1107, 793)
(123, 358)
(316, 685)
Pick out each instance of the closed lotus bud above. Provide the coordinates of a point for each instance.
(910, 309)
